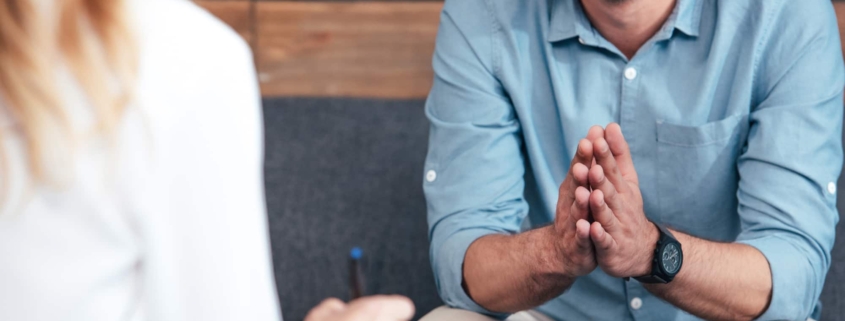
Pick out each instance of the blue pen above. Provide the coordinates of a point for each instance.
(356, 283)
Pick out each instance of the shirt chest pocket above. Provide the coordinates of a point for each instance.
(697, 175)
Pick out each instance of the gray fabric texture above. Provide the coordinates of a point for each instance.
(348, 172)
(344, 173)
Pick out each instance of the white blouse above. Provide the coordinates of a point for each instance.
(169, 225)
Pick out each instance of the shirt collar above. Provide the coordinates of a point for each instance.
(688, 16)
(568, 19)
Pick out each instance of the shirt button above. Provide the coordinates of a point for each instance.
(831, 188)
(630, 73)
(581, 40)
(636, 303)
(430, 176)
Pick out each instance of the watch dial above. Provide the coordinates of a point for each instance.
(671, 258)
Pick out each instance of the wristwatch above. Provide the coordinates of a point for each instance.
(668, 258)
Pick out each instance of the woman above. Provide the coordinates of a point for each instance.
(131, 154)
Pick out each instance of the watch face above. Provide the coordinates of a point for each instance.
(671, 259)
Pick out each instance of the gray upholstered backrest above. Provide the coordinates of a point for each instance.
(344, 173)
(348, 172)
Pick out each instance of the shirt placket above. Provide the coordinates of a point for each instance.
(630, 76)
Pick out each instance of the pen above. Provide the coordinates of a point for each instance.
(356, 284)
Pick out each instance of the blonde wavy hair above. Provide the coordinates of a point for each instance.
(92, 39)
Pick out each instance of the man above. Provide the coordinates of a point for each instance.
(711, 195)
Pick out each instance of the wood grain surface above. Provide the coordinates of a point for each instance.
(374, 49)
(235, 13)
(349, 49)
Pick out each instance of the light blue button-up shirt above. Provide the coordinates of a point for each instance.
(733, 112)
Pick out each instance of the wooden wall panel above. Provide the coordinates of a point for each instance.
(348, 49)
(236, 13)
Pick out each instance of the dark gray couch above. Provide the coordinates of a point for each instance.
(348, 172)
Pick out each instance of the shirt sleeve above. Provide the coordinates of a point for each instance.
(474, 169)
(207, 246)
(789, 168)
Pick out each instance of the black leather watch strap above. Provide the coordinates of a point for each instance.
(657, 276)
(651, 279)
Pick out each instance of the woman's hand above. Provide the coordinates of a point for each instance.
(373, 308)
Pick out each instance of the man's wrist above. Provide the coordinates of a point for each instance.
(552, 258)
(647, 262)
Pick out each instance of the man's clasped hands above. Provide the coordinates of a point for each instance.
(599, 218)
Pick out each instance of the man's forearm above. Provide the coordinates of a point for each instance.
(511, 273)
(719, 281)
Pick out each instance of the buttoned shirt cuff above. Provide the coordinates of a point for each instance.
(449, 265)
(793, 281)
